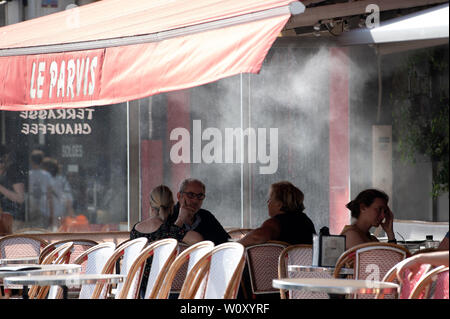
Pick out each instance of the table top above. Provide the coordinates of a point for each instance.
(68, 280)
(30, 270)
(336, 286)
(19, 260)
(330, 270)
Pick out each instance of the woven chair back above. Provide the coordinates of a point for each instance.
(262, 262)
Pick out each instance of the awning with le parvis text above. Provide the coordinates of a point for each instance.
(113, 51)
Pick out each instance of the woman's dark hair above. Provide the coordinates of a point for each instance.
(366, 197)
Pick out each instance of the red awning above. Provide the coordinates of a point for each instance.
(114, 51)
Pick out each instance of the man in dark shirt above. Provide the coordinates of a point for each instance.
(190, 199)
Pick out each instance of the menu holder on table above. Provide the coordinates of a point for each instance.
(327, 249)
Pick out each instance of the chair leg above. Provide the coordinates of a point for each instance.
(243, 289)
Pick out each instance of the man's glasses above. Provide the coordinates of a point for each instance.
(191, 195)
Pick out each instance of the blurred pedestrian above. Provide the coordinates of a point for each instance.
(12, 190)
(62, 192)
(40, 188)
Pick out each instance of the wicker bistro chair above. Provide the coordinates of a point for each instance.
(182, 265)
(128, 251)
(79, 246)
(59, 255)
(433, 285)
(178, 280)
(299, 255)
(21, 245)
(371, 261)
(262, 264)
(163, 253)
(406, 284)
(221, 268)
(92, 260)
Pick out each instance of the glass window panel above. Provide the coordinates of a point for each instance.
(82, 180)
(287, 96)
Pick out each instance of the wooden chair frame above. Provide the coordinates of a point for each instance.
(425, 282)
(201, 270)
(111, 264)
(348, 257)
(137, 268)
(282, 264)
(83, 257)
(50, 247)
(60, 255)
(392, 276)
(179, 261)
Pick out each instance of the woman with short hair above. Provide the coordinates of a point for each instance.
(287, 220)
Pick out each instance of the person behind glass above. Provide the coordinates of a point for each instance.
(39, 190)
(190, 199)
(287, 220)
(369, 209)
(62, 192)
(12, 190)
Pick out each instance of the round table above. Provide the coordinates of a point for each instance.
(336, 286)
(329, 270)
(19, 260)
(65, 281)
(30, 270)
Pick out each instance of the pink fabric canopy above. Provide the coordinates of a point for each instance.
(114, 51)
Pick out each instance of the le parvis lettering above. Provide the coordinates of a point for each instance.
(63, 78)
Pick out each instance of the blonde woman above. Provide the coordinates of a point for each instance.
(157, 226)
(287, 220)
